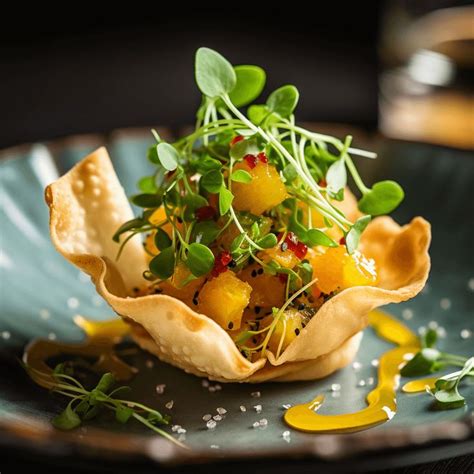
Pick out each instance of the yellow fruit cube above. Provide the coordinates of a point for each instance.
(224, 299)
(288, 327)
(265, 191)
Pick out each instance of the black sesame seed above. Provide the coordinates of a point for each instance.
(232, 264)
(301, 307)
(196, 294)
(297, 331)
(284, 247)
(254, 273)
(257, 309)
(230, 325)
(260, 271)
(179, 220)
(254, 339)
(136, 290)
(195, 302)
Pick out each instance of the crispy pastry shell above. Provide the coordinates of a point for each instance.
(88, 204)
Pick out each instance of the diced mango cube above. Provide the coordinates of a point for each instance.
(224, 299)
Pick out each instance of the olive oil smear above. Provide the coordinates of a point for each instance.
(381, 401)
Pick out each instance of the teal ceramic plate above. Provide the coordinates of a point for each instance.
(41, 292)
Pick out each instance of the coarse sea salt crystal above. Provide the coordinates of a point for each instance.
(217, 387)
(441, 331)
(149, 364)
(356, 365)
(263, 422)
(374, 363)
(256, 424)
(465, 333)
(242, 408)
(361, 383)
(175, 428)
(160, 388)
(6, 335)
(433, 325)
(170, 404)
(217, 418)
(445, 303)
(44, 314)
(256, 394)
(286, 406)
(207, 417)
(215, 446)
(407, 314)
(181, 431)
(221, 411)
(211, 424)
(205, 383)
(258, 408)
(370, 381)
(335, 387)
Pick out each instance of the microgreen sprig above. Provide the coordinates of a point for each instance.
(429, 360)
(86, 404)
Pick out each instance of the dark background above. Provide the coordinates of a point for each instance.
(95, 71)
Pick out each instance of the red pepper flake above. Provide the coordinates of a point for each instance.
(236, 139)
(342, 241)
(301, 250)
(251, 161)
(291, 243)
(262, 157)
(205, 213)
(221, 262)
(322, 183)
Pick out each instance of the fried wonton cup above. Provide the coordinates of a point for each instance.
(88, 204)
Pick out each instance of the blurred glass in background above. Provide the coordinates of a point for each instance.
(427, 83)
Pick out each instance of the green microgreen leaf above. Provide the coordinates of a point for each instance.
(207, 164)
(162, 265)
(147, 185)
(430, 338)
(212, 181)
(147, 200)
(283, 101)
(353, 236)
(336, 177)
(249, 85)
(449, 399)
(68, 419)
(215, 76)
(205, 232)
(162, 240)
(383, 198)
(123, 413)
(289, 173)
(267, 242)
(152, 155)
(237, 243)
(200, 259)
(241, 176)
(305, 271)
(105, 383)
(423, 363)
(128, 226)
(244, 147)
(317, 237)
(168, 156)
(257, 113)
(225, 200)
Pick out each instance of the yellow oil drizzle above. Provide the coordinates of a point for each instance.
(416, 386)
(381, 401)
(101, 338)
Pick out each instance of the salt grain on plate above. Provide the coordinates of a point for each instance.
(52, 336)
(335, 387)
(470, 284)
(465, 333)
(433, 325)
(181, 430)
(149, 364)
(336, 394)
(212, 389)
(72, 303)
(407, 314)
(211, 424)
(217, 387)
(207, 417)
(160, 388)
(215, 446)
(217, 418)
(370, 381)
(361, 383)
(175, 428)
(422, 330)
(263, 422)
(205, 383)
(170, 404)
(242, 408)
(286, 406)
(221, 411)
(256, 424)
(441, 332)
(255, 394)
(258, 408)
(445, 303)
(356, 365)
(374, 363)
(6, 334)
(44, 314)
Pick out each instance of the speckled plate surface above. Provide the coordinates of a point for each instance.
(40, 294)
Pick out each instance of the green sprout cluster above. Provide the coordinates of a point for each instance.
(313, 167)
